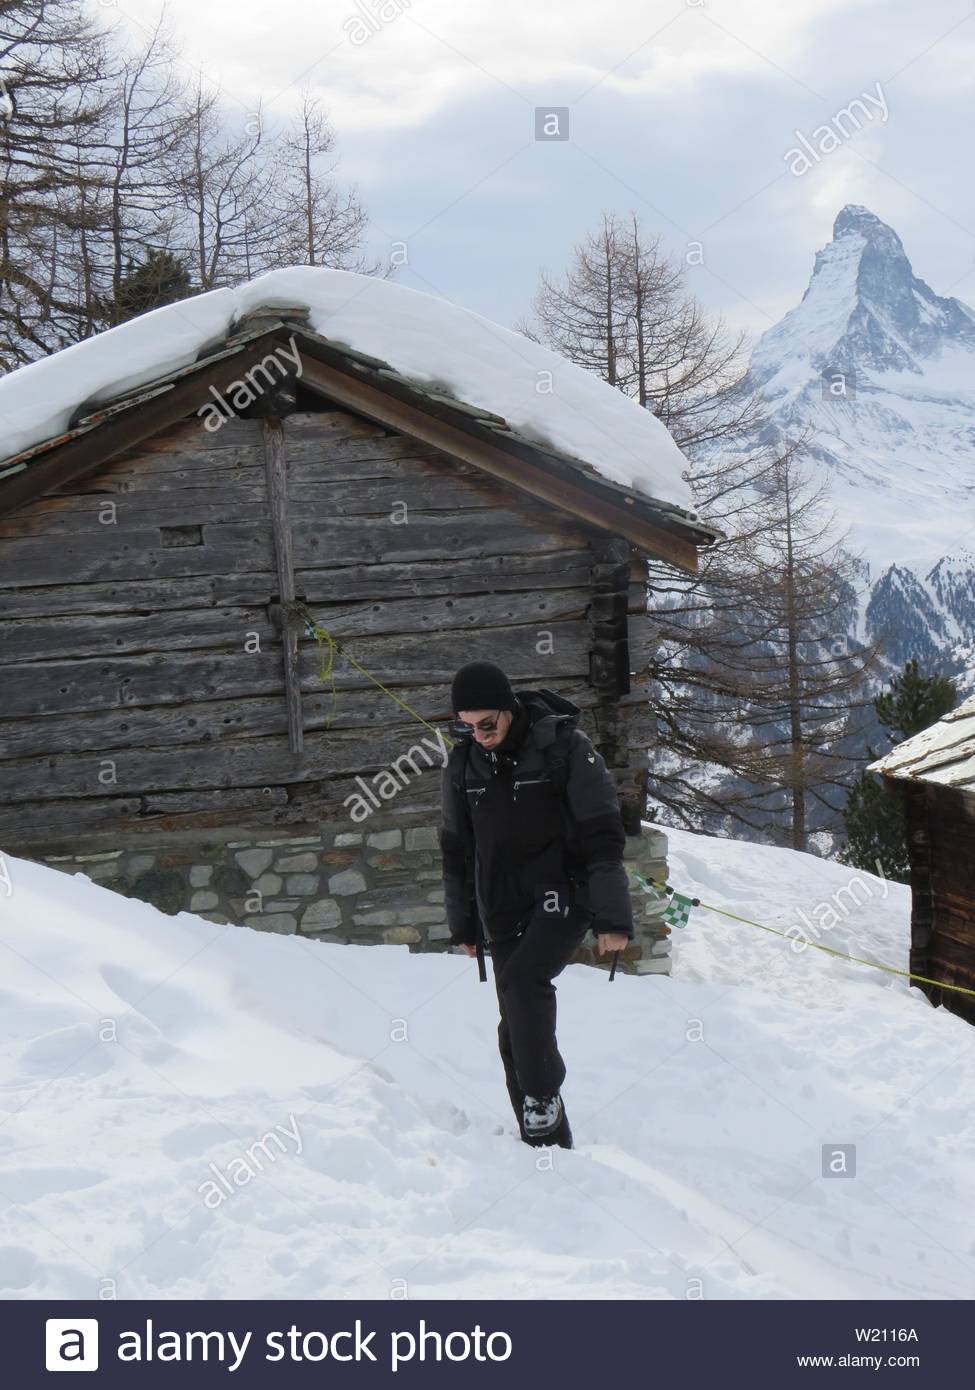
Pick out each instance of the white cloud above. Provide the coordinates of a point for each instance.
(681, 111)
(424, 56)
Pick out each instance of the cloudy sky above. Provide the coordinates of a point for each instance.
(684, 111)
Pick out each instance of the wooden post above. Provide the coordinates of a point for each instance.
(277, 491)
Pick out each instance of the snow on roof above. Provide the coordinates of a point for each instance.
(545, 398)
(944, 753)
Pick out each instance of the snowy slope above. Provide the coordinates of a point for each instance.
(897, 444)
(697, 1158)
(540, 394)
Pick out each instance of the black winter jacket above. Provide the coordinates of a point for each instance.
(508, 838)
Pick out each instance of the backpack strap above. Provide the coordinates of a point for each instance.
(557, 755)
(460, 783)
(460, 780)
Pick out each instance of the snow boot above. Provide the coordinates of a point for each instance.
(560, 1137)
(563, 1135)
(542, 1115)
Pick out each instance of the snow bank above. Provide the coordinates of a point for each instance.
(191, 1110)
(540, 394)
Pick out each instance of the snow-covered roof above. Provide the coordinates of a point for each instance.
(440, 345)
(944, 753)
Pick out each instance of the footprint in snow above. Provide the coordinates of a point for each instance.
(67, 1052)
(25, 1185)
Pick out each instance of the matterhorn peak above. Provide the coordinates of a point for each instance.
(856, 220)
(878, 370)
(865, 309)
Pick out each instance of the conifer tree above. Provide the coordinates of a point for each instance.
(874, 812)
(160, 279)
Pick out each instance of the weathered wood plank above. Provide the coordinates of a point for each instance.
(497, 530)
(236, 548)
(236, 501)
(62, 826)
(230, 763)
(356, 460)
(45, 639)
(208, 721)
(140, 595)
(111, 516)
(65, 827)
(345, 460)
(164, 470)
(174, 468)
(189, 434)
(403, 659)
(174, 724)
(954, 939)
(549, 570)
(228, 549)
(228, 629)
(94, 683)
(311, 426)
(237, 798)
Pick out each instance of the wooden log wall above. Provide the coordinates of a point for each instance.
(941, 841)
(143, 683)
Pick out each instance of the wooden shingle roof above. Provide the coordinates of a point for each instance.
(943, 754)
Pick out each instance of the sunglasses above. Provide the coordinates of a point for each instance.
(486, 726)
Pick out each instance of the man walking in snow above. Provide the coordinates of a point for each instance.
(532, 842)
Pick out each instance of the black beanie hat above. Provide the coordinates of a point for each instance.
(481, 685)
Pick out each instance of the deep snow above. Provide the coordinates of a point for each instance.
(698, 1157)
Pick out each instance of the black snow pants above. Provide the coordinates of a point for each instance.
(524, 967)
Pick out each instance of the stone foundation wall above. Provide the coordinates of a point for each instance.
(375, 885)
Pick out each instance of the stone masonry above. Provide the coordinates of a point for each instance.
(371, 884)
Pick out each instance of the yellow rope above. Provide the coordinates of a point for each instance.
(859, 960)
(323, 636)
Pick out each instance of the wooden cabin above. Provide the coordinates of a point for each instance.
(935, 772)
(164, 725)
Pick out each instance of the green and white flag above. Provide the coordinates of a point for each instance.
(678, 911)
(647, 887)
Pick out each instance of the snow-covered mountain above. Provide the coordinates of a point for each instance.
(881, 370)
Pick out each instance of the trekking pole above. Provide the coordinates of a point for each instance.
(612, 968)
(479, 944)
